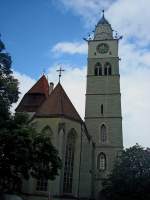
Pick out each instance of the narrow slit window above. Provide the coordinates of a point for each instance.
(102, 109)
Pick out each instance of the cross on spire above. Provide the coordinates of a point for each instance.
(60, 70)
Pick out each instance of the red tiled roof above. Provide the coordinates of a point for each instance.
(58, 104)
(35, 96)
(41, 86)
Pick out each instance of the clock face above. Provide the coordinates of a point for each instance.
(103, 48)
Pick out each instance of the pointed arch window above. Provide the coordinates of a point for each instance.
(103, 134)
(101, 162)
(107, 69)
(69, 162)
(98, 69)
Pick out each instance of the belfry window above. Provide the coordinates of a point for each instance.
(103, 134)
(69, 162)
(107, 69)
(41, 185)
(98, 69)
(101, 162)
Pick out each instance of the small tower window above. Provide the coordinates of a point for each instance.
(103, 134)
(101, 162)
(102, 109)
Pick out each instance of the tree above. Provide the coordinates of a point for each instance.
(23, 151)
(50, 162)
(130, 178)
(23, 154)
(15, 153)
(8, 85)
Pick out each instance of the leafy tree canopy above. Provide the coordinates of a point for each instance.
(130, 178)
(23, 154)
(23, 151)
(8, 85)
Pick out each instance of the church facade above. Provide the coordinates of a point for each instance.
(87, 148)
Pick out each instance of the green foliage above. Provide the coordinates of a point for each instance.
(130, 178)
(15, 153)
(23, 152)
(8, 85)
(48, 156)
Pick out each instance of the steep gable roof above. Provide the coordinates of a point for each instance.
(40, 87)
(35, 96)
(58, 104)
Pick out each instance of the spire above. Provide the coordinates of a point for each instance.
(103, 19)
(103, 30)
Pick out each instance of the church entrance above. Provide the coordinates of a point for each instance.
(69, 163)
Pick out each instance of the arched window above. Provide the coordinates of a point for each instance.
(107, 69)
(98, 69)
(101, 162)
(69, 162)
(103, 134)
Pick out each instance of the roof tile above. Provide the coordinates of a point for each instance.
(58, 104)
(35, 96)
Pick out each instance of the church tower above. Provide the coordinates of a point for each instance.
(103, 102)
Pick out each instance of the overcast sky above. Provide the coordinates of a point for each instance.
(42, 34)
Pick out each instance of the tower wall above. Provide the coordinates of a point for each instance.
(103, 116)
